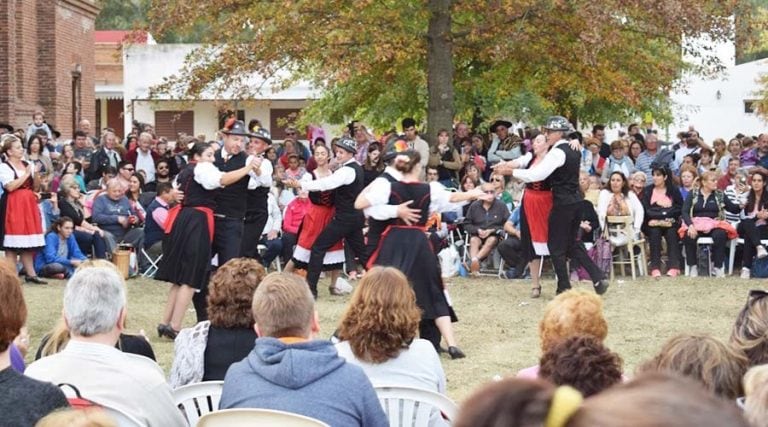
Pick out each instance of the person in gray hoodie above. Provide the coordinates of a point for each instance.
(288, 370)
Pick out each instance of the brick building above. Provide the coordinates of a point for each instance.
(48, 61)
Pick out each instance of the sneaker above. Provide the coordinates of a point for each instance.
(574, 276)
(673, 272)
(745, 274)
(656, 273)
(601, 287)
(718, 272)
(342, 287)
(693, 271)
(761, 252)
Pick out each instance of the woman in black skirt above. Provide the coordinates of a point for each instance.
(405, 246)
(189, 233)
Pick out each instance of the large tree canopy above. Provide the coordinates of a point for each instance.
(381, 60)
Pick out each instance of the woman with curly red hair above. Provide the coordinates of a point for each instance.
(378, 333)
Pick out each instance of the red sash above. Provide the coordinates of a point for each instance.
(174, 212)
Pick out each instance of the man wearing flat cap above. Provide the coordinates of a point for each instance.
(506, 146)
(561, 167)
(5, 128)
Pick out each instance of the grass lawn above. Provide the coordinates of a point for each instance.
(498, 327)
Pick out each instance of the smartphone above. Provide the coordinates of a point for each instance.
(45, 196)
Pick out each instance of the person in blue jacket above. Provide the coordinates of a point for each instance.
(61, 255)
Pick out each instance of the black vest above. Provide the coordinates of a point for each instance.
(565, 179)
(257, 200)
(195, 194)
(346, 194)
(232, 200)
(376, 227)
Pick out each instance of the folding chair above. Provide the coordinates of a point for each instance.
(154, 264)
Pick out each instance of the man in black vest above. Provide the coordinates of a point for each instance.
(256, 212)
(230, 206)
(561, 166)
(347, 222)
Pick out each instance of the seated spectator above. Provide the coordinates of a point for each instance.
(617, 162)
(294, 214)
(90, 417)
(737, 193)
(729, 177)
(95, 312)
(294, 169)
(754, 223)
(112, 212)
(205, 351)
(125, 170)
(734, 151)
(583, 363)
(373, 166)
(470, 155)
(617, 200)
(271, 235)
(499, 183)
(750, 331)
(656, 399)
(446, 159)
(25, 400)
(756, 395)
(90, 238)
(691, 161)
(484, 222)
(637, 183)
(688, 180)
(704, 358)
(38, 156)
(703, 216)
(73, 169)
(718, 147)
(511, 247)
(635, 148)
(472, 171)
(289, 147)
(135, 185)
(289, 370)
(706, 162)
(662, 204)
(574, 312)
(157, 213)
(378, 333)
(467, 183)
(101, 184)
(48, 202)
(598, 162)
(61, 255)
(162, 175)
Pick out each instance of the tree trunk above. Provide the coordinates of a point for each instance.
(439, 69)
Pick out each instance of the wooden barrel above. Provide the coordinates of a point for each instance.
(122, 260)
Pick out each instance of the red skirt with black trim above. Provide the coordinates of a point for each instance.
(22, 220)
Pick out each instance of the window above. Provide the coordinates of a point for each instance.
(171, 123)
(749, 107)
(279, 119)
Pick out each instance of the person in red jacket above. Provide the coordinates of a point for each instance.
(294, 214)
(143, 158)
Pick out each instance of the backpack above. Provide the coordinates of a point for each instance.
(760, 268)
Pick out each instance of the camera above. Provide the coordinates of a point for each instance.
(45, 196)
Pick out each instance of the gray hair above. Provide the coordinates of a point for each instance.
(93, 299)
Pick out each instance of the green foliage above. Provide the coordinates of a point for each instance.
(523, 59)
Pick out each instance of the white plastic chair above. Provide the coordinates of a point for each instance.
(198, 399)
(409, 406)
(242, 417)
(732, 254)
(121, 418)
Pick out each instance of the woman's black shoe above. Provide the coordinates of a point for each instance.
(456, 353)
(166, 331)
(35, 280)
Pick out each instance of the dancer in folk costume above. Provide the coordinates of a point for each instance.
(404, 243)
(189, 231)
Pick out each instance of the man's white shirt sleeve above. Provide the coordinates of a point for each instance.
(262, 180)
(342, 176)
(553, 160)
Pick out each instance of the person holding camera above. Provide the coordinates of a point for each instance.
(113, 213)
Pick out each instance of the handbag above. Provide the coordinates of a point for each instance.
(601, 254)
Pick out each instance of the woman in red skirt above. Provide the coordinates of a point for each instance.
(21, 228)
(317, 218)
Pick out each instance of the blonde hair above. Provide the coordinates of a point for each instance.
(756, 392)
(750, 331)
(283, 306)
(574, 312)
(88, 417)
